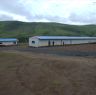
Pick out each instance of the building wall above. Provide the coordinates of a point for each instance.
(50, 42)
(82, 41)
(8, 43)
(35, 42)
(43, 43)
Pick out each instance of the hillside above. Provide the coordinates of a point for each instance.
(22, 30)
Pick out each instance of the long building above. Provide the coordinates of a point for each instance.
(39, 41)
(8, 41)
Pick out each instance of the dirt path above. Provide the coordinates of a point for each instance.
(71, 50)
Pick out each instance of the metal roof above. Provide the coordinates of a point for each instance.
(8, 39)
(62, 37)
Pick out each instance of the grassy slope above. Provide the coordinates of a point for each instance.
(21, 29)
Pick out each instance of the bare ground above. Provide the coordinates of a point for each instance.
(67, 50)
(36, 72)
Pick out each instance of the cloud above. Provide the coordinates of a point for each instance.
(13, 6)
(5, 17)
(14, 10)
(62, 11)
(11, 16)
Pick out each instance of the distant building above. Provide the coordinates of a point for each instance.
(8, 41)
(39, 41)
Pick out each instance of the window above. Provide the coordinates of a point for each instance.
(33, 42)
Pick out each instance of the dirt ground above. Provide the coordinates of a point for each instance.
(67, 50)
(48, 71)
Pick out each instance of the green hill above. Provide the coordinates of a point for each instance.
(22, 30)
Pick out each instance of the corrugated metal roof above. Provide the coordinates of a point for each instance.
(62, 37)
(8, 39)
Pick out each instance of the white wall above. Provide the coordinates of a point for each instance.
(45, 42)
(39, 43)
(82, 41)
(8, 43)
(60, 42)
(35, 40)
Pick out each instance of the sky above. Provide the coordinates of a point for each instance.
(77, 12)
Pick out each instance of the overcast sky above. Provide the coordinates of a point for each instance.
(61, 11)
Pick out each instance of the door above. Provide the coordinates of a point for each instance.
(49, 43)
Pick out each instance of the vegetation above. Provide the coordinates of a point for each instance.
(23, 31)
